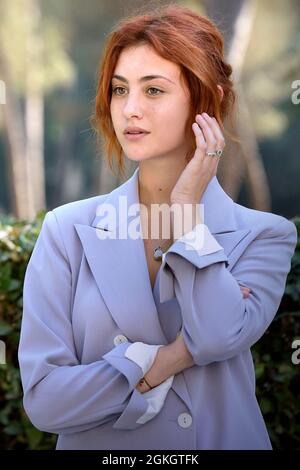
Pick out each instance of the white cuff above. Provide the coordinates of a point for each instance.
(155, 398)
(142, 354)
(201, 240)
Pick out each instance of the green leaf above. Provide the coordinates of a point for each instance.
(13, 429)
(34, 437)
(5, 329)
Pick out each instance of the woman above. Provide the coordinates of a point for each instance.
(143, 342)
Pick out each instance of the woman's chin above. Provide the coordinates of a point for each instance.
(137, 156)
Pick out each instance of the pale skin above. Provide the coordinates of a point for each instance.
(164, 176)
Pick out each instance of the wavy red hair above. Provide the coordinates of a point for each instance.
(184, 37)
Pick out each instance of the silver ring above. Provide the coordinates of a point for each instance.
(217, 153)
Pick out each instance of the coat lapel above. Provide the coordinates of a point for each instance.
(220, 217)
(119, 265)
(120, 268)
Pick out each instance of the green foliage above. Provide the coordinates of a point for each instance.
(278, 379)
(17, 239)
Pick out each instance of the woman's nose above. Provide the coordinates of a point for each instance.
(132, 107)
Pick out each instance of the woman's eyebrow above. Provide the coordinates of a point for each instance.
(142, 79)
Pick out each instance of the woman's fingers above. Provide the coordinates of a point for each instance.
(202, 167)
(245, 291)
(210, 139)
(200, 140)
(216, 131)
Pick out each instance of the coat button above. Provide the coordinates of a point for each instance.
(185, 420)
(119, 339)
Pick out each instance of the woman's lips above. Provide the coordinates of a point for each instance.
(134, 137)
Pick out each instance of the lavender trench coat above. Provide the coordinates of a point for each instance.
(82, 293)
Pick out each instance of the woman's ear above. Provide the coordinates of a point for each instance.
(221, 92)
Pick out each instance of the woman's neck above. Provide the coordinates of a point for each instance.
(156, 181)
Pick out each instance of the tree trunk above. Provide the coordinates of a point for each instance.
(34, 113)
(16, 156)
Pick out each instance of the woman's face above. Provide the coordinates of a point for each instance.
(158, 105)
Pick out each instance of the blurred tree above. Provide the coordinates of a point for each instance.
(33, 63)
(272, 65)
(73, 32)
(236, 20)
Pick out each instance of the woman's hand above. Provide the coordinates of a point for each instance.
(195, 177)
(142, 387)
(245, 291)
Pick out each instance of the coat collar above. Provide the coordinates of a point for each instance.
(119, 266)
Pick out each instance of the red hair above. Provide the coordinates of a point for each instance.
(181, 36)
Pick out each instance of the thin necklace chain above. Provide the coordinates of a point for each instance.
(162, 244)
(158, 249)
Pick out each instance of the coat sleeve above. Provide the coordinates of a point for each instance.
(61, 395)
(218, 322)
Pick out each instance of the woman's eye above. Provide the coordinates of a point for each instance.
(153, 88)
(117, 88)
(150, 88)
